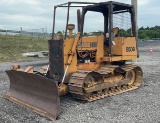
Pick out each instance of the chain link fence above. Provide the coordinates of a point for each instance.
(41, 32)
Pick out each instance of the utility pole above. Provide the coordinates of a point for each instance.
(20, 31)
(134, 3)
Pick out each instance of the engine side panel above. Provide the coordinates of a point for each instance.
(125, 46)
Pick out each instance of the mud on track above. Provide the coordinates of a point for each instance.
(141, 105)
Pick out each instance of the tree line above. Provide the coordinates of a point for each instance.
(149, 32)
(143, 33)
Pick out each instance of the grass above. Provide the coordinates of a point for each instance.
(12, 47)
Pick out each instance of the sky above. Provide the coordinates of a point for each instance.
(38, 14)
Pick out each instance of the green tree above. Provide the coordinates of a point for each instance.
(59, 32)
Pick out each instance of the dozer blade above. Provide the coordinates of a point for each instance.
(34, 91)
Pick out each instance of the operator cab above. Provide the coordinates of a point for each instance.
(118, 21)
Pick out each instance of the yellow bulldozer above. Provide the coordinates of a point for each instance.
(88, 66)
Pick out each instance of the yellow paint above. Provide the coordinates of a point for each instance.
(68, 47)
(102, 58)
(86, 41)
(89, 66)
(100, 49)
(122, 43)
(118, 58)
(68, 43)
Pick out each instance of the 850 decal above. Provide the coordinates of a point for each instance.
(130, 49)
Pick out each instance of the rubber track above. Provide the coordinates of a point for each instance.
(77, 82)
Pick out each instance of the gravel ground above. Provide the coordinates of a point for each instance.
(138, 106)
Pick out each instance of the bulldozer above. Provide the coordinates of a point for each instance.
(89, 67)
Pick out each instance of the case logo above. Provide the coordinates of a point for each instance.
(87, 44)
